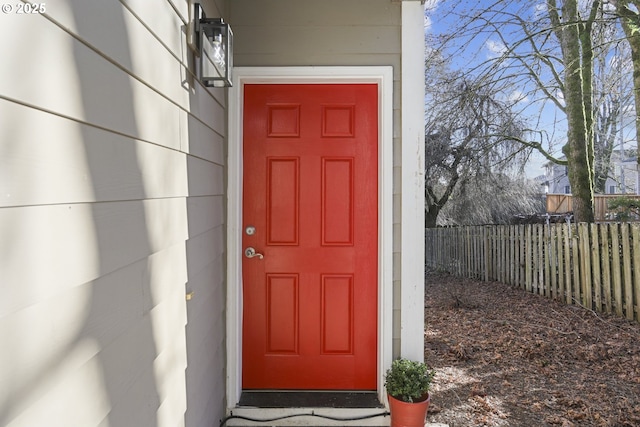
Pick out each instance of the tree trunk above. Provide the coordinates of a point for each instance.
(433, 203)
(579, 146)
(635, 57)
(631, 25)
(431, 217)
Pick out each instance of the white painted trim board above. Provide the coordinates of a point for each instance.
(381, 75)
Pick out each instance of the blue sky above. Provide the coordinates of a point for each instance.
(478, 49)
(486, 45)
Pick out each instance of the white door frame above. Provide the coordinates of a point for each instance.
(383, 77)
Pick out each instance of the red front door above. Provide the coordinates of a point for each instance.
(310, 209)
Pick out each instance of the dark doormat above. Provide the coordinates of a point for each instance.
(310, 399)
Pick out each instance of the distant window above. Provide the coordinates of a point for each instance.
(567, 189)
(612, 189)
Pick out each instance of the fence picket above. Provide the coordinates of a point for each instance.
(585, 268)
(626, 268)
(635, 238)
(615, 269)
(575, 258)
(560, 247)
(553, 282)
(521, 257)
(548, 285)
(540, 272)
(500, 252)
(567, 264)
(528, 262)
(595, 265)
(606, 266)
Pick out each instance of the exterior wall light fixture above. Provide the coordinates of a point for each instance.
(214, 46)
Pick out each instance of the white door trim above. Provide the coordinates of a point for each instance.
(383, 77)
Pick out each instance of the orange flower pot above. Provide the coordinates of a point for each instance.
(405, 414)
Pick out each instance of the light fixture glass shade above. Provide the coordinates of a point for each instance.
(214, 57)
(215, 47)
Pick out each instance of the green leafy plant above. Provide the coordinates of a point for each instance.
(408, 380)
(625, 208)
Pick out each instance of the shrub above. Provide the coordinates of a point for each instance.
(625, 208)
(408, 380)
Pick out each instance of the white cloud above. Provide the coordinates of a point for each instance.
(431, 5)
(518, 96)
(540, 10)
(495, 48)
(429, 8)
(560, 97)
(427, 24)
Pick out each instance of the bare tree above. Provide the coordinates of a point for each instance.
(549, 56)
(628, 12)
(511, 196)
(612, 98)
(471, 138)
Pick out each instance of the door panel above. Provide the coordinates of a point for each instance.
(337, 201)
(282, 201)
(310, 191)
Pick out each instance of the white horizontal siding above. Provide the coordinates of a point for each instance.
(206, 345)
(306, 32)
(330, 40)
(278, 13)
(111, 208)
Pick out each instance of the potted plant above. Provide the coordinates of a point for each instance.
(408, 383)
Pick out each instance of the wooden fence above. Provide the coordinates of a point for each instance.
(593, 265)
(562, 203)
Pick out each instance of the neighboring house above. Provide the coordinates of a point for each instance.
(623, 176)
(128, 193)
(555, 179)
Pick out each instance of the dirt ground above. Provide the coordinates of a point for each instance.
(505, 357)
